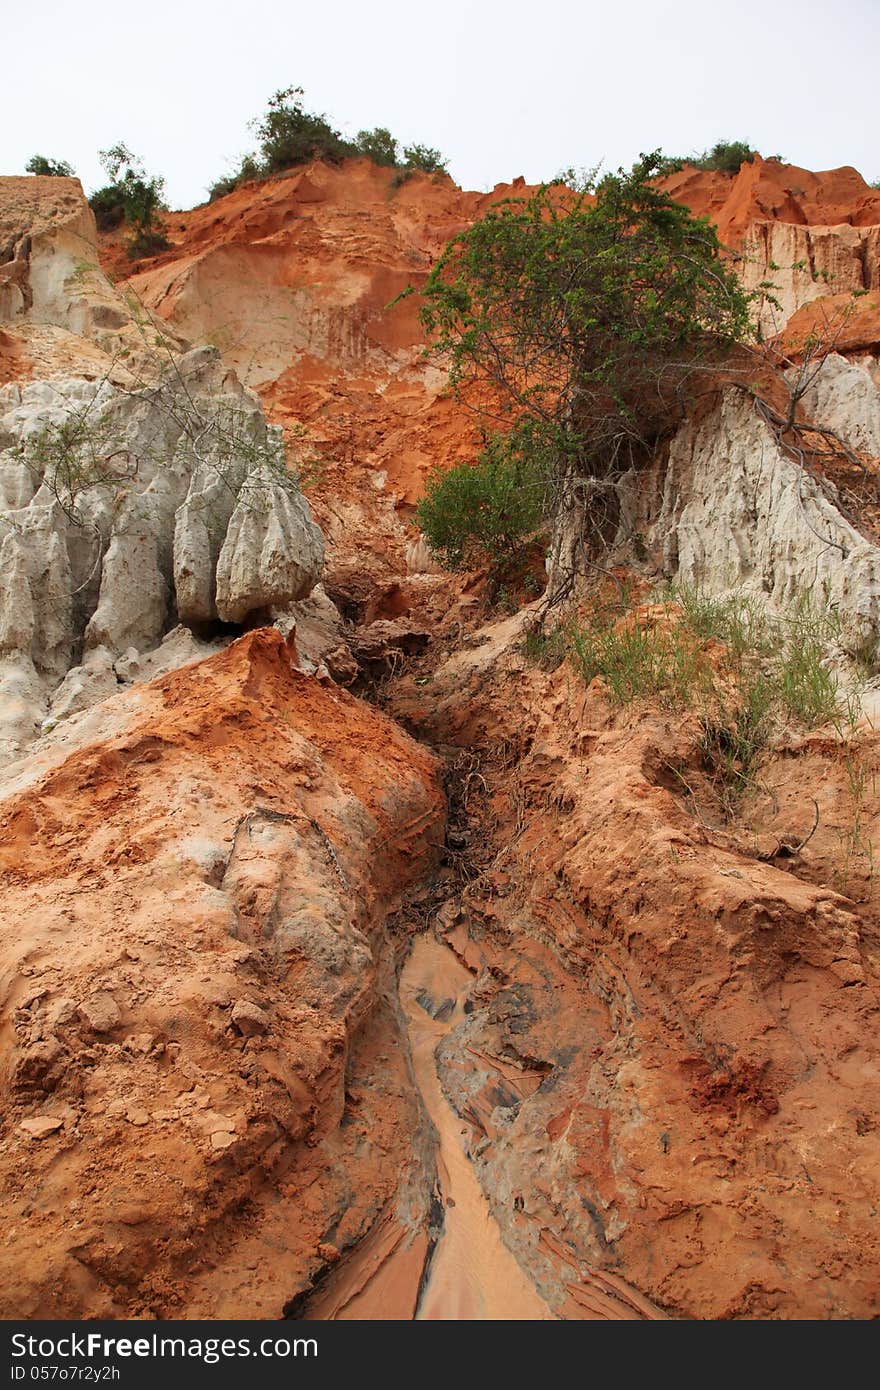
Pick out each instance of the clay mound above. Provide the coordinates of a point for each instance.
(767, 190)
(852, 325)
(306, 265)
(667, 1066)
(190, 968)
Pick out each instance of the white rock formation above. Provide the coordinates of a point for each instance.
(844, 396)
(805, 263)
(728, 510)
(124, 511)
(49, 271)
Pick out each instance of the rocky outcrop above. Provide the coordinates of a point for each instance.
(204, 1077)
(802, 264)
(663, 1066)
(726, 508)
(59, 306)
(769, 190)
(808, 235)
(844, 395)
(125, 511)
(48, 263)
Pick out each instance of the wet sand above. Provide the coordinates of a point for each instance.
(473, 1276)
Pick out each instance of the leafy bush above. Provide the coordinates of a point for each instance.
(147, 241)
(423, 157)
(131, 196)
(588, 321)
(725, 156)
(485, 510)
(108, 205)
(49, 168)
(378, 145)
(289, 135)
(247, 171)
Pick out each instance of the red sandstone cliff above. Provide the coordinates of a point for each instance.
(665, 1073)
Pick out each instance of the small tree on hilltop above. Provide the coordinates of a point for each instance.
(290, 135)
(379, 145)
(130, 196)
(423, 157)
(579, 322)
(49, 168)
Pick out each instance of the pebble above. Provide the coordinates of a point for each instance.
(41, 1126)
(249, 1018)
(100, 1011)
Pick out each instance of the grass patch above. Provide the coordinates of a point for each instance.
(639, 659)
(545, 649)
(808, 691)
(746, 674)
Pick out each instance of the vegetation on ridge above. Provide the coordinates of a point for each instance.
(289, 135)
(130, 196)
(49, 168)
(725, 157)
(578, 326)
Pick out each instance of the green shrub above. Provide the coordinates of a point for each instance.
(108, 205)
(589, 320)
(146, 242)
(423, 157)
(49, 168)
(132, 197)
(728, 156)
(289, 135)
(221, 187)
(725, 156)
(247, 171)
(487, 510)
(379, 145)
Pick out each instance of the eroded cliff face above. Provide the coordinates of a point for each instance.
(144, 492)
(635, 1047)
(203, 1077)
(667, 1062)
(804, 234)
(726, 508)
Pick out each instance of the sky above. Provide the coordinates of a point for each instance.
(501, 88)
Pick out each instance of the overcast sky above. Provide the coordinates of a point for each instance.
(501, 88)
